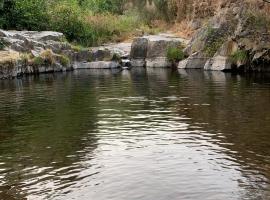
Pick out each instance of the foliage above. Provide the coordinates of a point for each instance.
(38, 61)
(211, 48)
(64, 60)
(101, 6)
(84, 22)
(175, 54)
(239, 56)
(214, 41)
(24, 14)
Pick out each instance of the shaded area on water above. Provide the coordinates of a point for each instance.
(140, 134)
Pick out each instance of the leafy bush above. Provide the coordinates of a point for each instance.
(101, 6)
(84, 22)
(24, 14)
(175, 54)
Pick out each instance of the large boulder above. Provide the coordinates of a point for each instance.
(157, 50)
(218, 63)
(138, 51)
(152, 50)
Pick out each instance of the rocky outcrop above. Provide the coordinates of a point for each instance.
(237, 37)
(31, 52)
(151, 51)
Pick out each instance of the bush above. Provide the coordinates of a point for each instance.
(64, 60)
(175, 54)
(84, 22)
(101, 6)
(38, 61)
(24, 14)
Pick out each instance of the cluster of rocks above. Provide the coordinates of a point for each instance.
(31, 52)
(233, 39)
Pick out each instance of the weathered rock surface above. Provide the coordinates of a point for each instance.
(194, 61)
(31, 52)
(151, 51)
(235, 38)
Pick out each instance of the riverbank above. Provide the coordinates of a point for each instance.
(30, 52)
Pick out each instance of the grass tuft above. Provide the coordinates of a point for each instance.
(239, 56)
(175, 54)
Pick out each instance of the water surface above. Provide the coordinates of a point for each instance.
(151, 134)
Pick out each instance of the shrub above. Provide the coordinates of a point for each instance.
(68, 18)
(64, 60)
(84, 22)
(101, 6)
(24, 14)
(37, 61)
(175, 54)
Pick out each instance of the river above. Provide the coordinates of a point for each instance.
(155, 134)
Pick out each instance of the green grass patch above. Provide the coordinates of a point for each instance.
(38, 61)
(64, 60)
(175, 54)
(239, 56)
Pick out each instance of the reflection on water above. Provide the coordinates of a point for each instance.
(140, 134)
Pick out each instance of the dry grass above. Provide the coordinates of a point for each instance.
(8, 56)
(182, 29)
